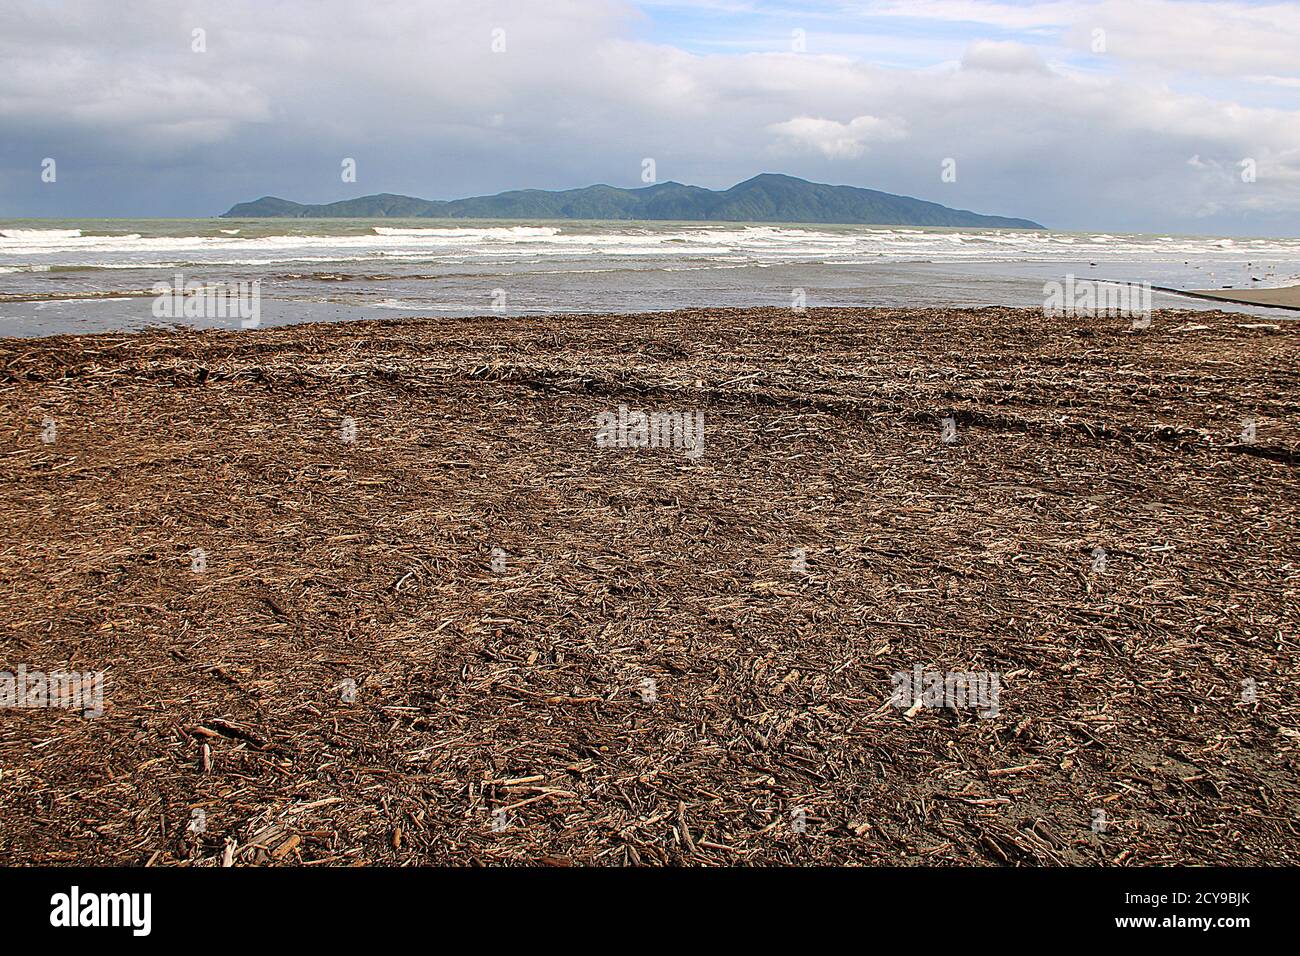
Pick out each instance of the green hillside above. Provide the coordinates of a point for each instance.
(769, 197)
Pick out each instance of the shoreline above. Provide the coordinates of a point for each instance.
(1262, 315)
(428, 595)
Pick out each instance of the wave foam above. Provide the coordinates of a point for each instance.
(39, 234)
(498, 232)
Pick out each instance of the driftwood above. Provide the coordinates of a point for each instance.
(468, 635)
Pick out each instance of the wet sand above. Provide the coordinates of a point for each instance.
(1286, 298)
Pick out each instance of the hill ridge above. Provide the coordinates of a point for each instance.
(766, 197)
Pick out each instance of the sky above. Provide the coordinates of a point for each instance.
(1168, 116)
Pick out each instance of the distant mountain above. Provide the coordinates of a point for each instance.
(769, 197)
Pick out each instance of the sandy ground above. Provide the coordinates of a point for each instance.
(279, 547)
(1285, 298)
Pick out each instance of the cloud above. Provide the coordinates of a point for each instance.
(1003, 57)
(1292, 82)
(1221, 37)
(838, 140)
(140, 124)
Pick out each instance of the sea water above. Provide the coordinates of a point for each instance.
(102, 275)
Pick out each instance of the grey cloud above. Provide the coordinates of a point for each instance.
(413, 91)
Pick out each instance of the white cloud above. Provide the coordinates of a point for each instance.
(1013, 16)
(416, 95)
(1223, 37)
(836, 140)
(1292, 82)
(1003, 57)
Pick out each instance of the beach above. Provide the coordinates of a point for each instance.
(375, 592)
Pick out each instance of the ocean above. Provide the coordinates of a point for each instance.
(100, 275)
